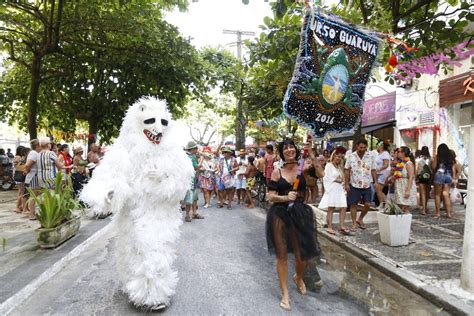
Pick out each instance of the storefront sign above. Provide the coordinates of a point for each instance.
(379, 110)
(452, 90)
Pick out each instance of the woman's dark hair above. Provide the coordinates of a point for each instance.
(284, 143)
(417, 153)
(453, 154)
(2, 151)
(20, 151)
(269, 147)
(425, 152)
(250, 159)
(406, 151)
(361, 141)
(443, 156)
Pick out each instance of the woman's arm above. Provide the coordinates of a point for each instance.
(411, 176)
(385, 165)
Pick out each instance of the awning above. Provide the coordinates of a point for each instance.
(375, 127)
(341, 139)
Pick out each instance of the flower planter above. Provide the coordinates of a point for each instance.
(53, 237)
(394, 229)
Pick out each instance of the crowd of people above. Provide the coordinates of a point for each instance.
(37, 166)
(349, 178)
(344, 177)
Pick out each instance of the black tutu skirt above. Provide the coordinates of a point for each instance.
(292, 231)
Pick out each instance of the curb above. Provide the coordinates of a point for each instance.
(12, 302)
(433, 294)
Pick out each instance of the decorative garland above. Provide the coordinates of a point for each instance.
(398, 168)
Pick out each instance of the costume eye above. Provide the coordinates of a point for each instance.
(164, 122)
(149, 121)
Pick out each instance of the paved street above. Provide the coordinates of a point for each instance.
(223, 265)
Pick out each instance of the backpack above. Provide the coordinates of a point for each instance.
(425, 174)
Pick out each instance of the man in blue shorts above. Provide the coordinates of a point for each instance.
(359, 170)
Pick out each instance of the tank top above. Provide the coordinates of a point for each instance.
(283, 187)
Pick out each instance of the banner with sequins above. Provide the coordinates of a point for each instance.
(333, 65)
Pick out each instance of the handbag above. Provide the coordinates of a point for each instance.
(19, 176)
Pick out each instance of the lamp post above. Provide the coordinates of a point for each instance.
(467, 267)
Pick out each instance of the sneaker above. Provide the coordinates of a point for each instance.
(206, 205)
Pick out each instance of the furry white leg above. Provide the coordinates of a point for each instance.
(147, 257)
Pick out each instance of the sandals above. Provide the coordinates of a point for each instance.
(330, 231)
(198, 216)
(187, 219)
(345, 232)
(301, 288)
(361, 226)
(285, 305)
(220, 206)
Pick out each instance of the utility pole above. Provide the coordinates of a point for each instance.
(240, 122)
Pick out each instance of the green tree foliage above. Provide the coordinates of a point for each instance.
(213, 111)
(422, 24)
(103, 56)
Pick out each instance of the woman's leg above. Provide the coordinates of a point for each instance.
(221, 196)
(314, 193)
(281, 251)
(329, 220)
(342, 218)
(447, 200)
(230, 197)
(438, 191)
(19, 198)
(32, 206)
(251, 204)
(423, 198)
(207, 197)
(380, 194)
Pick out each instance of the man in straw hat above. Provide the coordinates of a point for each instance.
(191, 198)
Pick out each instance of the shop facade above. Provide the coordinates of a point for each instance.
(456, 101)
(378, 117)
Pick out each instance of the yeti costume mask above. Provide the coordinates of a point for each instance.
(142, 179)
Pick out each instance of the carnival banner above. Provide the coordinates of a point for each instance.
(333, 65)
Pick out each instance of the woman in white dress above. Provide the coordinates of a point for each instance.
(334, 197)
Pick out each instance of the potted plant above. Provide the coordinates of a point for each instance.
(57, 214)
(394, 225)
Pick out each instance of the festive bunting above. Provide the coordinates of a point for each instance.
(429, 64)
(332, 68)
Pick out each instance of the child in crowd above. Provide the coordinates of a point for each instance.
(250, 173)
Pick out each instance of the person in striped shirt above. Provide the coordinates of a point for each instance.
(48, 164)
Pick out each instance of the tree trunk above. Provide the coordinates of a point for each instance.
(93, 129)
(33, 98)
(240, 122)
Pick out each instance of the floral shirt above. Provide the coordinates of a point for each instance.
(361, 175)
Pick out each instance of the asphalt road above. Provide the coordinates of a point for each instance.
(223, 265)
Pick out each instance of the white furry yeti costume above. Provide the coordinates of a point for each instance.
(141, 179)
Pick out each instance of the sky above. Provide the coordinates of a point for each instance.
(205, 20)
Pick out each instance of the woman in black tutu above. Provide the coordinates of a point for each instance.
(290, 224)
